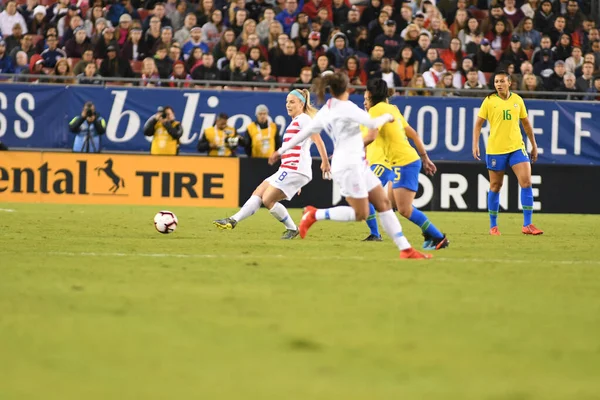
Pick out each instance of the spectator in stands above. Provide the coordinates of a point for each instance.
(544, 17)
(499, 38)
(123, 28)
(254, 41)
(114, 66)
(435, 73)
(38, 24)
(89, 76)
(223, 63)
(195, 60)
(362, 44)
(96, 13)
(530, 38)
(227, 40)
(237, 24)
(514, 53)
(575, 61)
(249, 28)
(212, 30)
(264, 26)
(255, 59)
(177, 16)
(304, 79)
(513, 14)
(207, 71)
(301, 22)
(135, 49)
(371, 13)
(555, 79)
(530, 7)
(350, 28)
(256, 8)
(530, 84)
(204, 10)
(165, 132)
(460, 77)
(13, 41)
(569, 85)
(340, 50)
(149, 74)
(424, 43)
(595, 49)
(183, 34)
(460, 22)
(36, 67)
(339, 12)
(179, 77)
(485, 61)
(52, 54)
(238, 70)
(558, 30)
(107, 39)
(595, 90)
(194, 41)
(445, 83)
(166, 39)
(545, 66)
(373, 64)
(175, 52)
(440, 37)
(62, 70)
(496, 14)
(6, 62)
(388, 75)
(586, 81)
(354, 71)
(76, 46)
(26, 45)
(574, 17)
(88, 127)
(287, 17)
(407, 66)
(473, 81)
(56, 11)
(153, 33)
(220, 140)
(427, 62)
(265, 73)
(322, 65)
(26, 10)
(390, 40)
(563, 49)
(9, 17)
(289, 63)
(545, 44)
(86, 58)
(275, 31)
(160, 13)
(21, 63)
(588, 58)
(375, 27)
(453, 56)
(64, 23)
(469, 32)
(312, 50)
(592, 36)
(163, 63)
(417, 82)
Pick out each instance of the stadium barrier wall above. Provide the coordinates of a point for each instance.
(36, 116)
(459, 187)
(46, 177)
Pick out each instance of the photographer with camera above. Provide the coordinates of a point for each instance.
(220, 140)
(87, 127)
(165, 130)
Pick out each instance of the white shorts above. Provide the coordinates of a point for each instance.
(356, 181)
(289, 182)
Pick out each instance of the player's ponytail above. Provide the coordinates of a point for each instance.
(379, 91)
(308, 107)
(337, 83)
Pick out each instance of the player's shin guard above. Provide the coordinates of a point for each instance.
(372, 221)
(393, 229)
(250, 207)
(527, 204)
(282, 215)
(420, 219)
(493, 207)
(340, 213)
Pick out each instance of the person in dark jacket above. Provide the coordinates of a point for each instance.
(485, 61)
(115, 67)
(289, 64)
(557, 77)
(135, 48)
(78, 44)
(208, 71)
(7, 65)
(163, 63)
(338, 53)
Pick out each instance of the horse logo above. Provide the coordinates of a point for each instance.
(118, 182)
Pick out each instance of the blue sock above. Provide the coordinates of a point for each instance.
(527, 203)
(493, 207)
(418, 218)
(372, 221)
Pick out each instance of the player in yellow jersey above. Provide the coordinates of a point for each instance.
(503, 110)
(405, 161)
(382, 169)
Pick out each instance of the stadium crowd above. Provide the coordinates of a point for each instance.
(550, 46)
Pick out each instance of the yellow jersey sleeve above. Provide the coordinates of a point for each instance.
(523, 111)
(402, 120)
(483, 110)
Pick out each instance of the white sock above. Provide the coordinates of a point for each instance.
(392, 227)
(250, 207)
(283, 216)
(340, 213)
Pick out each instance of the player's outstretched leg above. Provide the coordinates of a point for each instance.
(434, 238)
(312, 215)
(279, 212)
(374, 236)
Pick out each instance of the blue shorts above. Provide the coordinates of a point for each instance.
(499, 162)
(407, 176)
(384, 174)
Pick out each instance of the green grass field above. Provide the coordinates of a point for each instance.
(95, 304)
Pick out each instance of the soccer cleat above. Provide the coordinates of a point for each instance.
(495, 232)
(290, 234)
(372, 238)
(308, 218)
(531, 230)
(412, 253)
(226, 223)
(438, 244)
(427, 243)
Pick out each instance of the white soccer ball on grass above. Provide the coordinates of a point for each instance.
(165, 222)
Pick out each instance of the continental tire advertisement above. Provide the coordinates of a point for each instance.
(41, 177)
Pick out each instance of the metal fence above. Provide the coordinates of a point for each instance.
(275, 86)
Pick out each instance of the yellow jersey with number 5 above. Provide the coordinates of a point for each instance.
(395, 144)
(374, 151)
(504, 118)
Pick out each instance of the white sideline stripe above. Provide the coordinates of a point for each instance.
(6, 210)
(248, 256)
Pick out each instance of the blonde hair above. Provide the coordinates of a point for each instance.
(244, 66)
(308, 108)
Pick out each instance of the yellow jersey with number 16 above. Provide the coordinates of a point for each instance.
(395, 144)
(504, 118)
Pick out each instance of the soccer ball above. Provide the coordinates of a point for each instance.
(165, 222)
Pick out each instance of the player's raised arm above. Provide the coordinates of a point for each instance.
(476, 133)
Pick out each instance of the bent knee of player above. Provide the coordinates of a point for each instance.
(361, 215)
(496, 186)
(525, 182)
(405, 210)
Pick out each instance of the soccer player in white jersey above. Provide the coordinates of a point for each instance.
(341, 119)
(293, 174)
